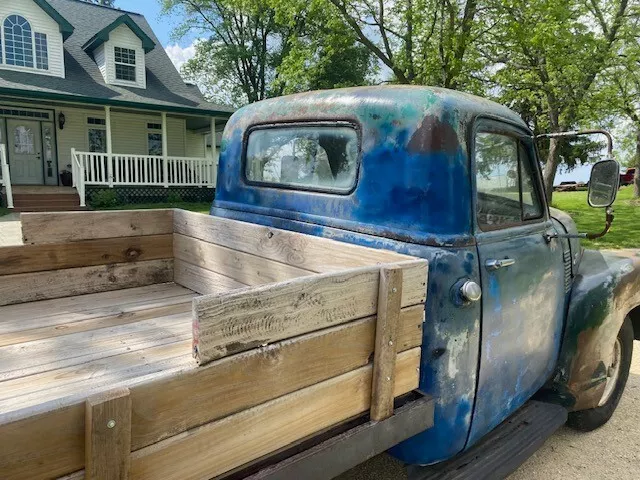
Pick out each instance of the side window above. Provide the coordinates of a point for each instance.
(504, 182)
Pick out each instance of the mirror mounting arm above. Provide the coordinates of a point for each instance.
(589, 236)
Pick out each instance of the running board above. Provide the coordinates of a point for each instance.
(501, 451)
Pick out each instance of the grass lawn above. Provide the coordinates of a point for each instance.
(194, 207)
(4, 211)
(625, 231)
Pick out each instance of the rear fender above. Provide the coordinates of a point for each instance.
(605, 290)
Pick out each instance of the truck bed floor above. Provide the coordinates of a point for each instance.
(52, 351)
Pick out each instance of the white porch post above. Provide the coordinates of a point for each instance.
(165, 155)
(107, 121)
(214, 166)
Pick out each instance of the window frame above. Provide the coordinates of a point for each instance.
(95, 126)
(302, 188)
(152, 130)
(3, 48)
(499, 126)
(133, 65)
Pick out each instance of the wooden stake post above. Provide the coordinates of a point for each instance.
(384, 358)
(108, 436)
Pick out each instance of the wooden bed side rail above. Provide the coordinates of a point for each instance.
(236, 321)
(63, 227)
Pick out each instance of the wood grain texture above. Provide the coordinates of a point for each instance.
(384, 355)
(28, 287)
(237, 321)
(108, 436)
(62, 227)
(161, 409)
(220, 446)
(303, 251)
(244, 267)
(36, 258)
(158, 378)
(201, 280)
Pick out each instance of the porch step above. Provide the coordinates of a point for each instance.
(50, 208)
(46, 199)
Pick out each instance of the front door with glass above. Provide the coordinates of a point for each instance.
(25, 152)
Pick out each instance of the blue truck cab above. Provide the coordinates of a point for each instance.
(515, 307)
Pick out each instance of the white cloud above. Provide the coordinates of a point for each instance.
(180, 55)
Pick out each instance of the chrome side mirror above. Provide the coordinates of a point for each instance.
(603, 184)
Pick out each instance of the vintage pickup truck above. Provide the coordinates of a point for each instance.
(380, 269)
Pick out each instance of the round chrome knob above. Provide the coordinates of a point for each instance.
(470, 291)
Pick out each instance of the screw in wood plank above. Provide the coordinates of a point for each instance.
(390, 343)
(111, 423)
(388, 379)
(394, 289)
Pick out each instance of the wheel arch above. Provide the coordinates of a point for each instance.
(634, 315)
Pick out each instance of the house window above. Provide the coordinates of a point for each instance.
(42, 56)
(22, 44)
(18, 41)
(97, 134)
(125, 60)
(154, 138)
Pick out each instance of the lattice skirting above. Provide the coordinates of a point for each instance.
(150, 194)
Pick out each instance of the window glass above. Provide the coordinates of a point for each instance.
(97, 140)
(24, 140)
(531, 204)
(504, 182)
(154, 141)
(318, 157)
(18, 41)
(42, 54)
(125, 60)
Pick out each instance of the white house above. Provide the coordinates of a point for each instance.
(89, 98)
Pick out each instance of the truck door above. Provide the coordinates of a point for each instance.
(522, 275)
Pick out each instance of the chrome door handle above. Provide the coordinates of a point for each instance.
(494, 264)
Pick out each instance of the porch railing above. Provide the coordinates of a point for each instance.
(124, 169)
(5, 175)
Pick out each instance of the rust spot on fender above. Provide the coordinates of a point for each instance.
(434, 135)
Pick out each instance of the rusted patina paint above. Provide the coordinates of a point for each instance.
(605, 290)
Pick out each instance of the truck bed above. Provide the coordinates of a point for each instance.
(75, 346)
(169, 344)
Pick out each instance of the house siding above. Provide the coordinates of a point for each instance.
(40, 22)
(104, 56)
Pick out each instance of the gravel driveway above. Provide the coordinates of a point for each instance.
(611, 452)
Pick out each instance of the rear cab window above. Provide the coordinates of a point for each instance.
(306, 157)
(505, 182)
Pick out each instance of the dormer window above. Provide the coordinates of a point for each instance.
(125, 60)
(20, 45)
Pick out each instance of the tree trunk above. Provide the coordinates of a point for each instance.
(636, 176)
(550, 168)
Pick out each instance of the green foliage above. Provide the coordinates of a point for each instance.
(107, 198)
(625, 232)
(174, 197)
(256, 49)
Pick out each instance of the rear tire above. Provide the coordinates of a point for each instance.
(587, 420)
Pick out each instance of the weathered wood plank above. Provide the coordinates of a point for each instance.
(108, 436)
(389, 297)
(28, 287)
(161, 408)
(240, 438)
(81, 307)
(23, 360)
(244, 267)
(202, 280)
(61, 227)
(125, 316)
(303, 251)
(37, 258)
(237, 321)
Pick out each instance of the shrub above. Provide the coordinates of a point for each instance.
(105, 199)
(174, 197)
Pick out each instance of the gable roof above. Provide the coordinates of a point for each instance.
(65, 27)
(103, 35)
(83, 82)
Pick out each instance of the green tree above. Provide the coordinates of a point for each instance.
(547, 56)
(255, 49)
(429, 42)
